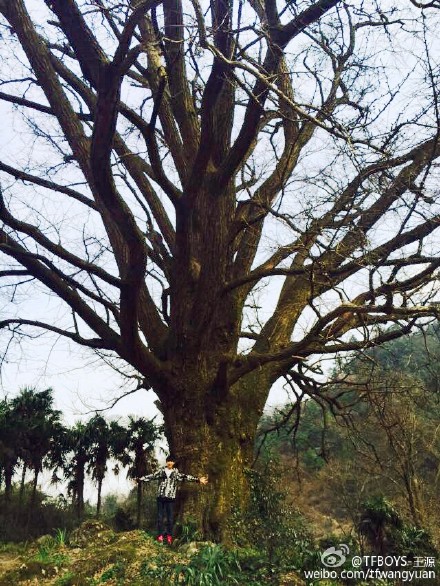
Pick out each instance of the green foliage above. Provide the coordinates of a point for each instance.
(188, 531)
(110, 505)
(51, 553)
(38, 426)
(77, 456)
(133, 447)
(416, 355)
(61, 537)
(17, 523)
(378, 515)
(375, 425)
(67, 579)
(414, 542)
(115, 573)
(125, 518)
(29, 430)
(271, 525)
(386, 532)
(14, 548)
(212, 565)
(314, 441)
(9, 449)
(122, 520)
(99, 451)
(32, 438)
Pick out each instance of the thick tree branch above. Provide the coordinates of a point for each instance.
(134, 164)
(95, 343)
(56, 249)
(282, 35)
(60, 287)
(37, 107)
(299, 289)
(181, 99)
(34, 179)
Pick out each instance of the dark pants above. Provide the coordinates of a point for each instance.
(165, 507)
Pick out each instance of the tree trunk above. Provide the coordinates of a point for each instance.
(215, 438)
(79, 491)
(80, 503)
(138, 504)
(9, 473)
(31, 508)
(98, 504)
(413, 496)
(34, 489)
(22, 483)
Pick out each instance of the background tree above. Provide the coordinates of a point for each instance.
(377, 517)
(9, 448)
(395, 429)
(101, 441)
(134, 446)
(37, 427)
(207, 151)
(77, 448)
(375, 438)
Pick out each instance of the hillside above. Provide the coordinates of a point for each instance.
(97, 555)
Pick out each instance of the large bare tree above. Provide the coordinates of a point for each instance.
(218, 193)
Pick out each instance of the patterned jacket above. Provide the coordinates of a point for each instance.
(167, 486)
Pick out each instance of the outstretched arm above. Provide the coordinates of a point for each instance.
(189, 478)
(153, 476)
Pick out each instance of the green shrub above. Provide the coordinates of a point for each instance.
(385, 531)
(49, 553)
(67, 579)
(414, 542)
(188, 531)
(116, 572)
(270, 525)
(212, 565)
(19, 523)
(123, 520)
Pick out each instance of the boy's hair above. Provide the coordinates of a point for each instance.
(170, 458)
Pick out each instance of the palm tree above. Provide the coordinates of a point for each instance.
(378, 516)
(134, 448)
(77, 456)
(9, 447)
(38, 429)
(100, 434)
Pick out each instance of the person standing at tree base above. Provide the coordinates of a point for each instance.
(168, 478)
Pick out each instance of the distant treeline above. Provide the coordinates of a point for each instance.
(34, 438)
(368, 432)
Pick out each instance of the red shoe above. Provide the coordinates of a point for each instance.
(160, 538)
(169, 539)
